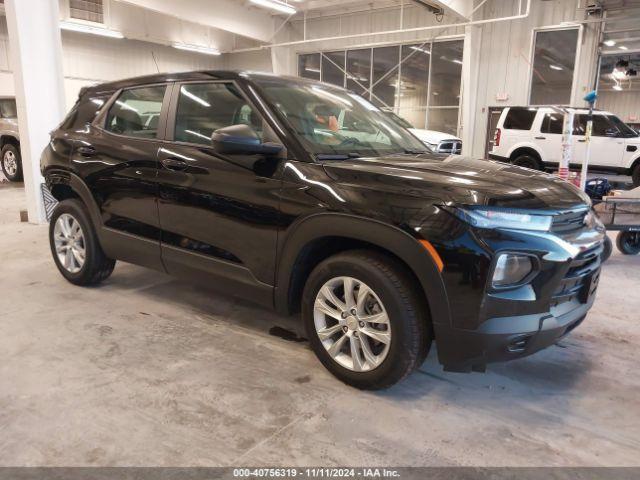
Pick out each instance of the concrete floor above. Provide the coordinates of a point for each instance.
(146, 370)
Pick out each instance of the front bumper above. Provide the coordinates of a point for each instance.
(496, 325)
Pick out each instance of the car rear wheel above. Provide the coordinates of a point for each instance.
(75, 247)
(11, 163)
(527, 161)
(364, 319)
(628, 242)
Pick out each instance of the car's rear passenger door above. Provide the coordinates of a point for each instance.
(117, 158)
(219, 213)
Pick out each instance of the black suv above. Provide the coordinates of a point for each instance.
(306, 198)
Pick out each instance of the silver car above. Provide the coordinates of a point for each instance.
(10, 140)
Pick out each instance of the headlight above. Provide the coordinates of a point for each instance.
(488, 218)
(511, 269)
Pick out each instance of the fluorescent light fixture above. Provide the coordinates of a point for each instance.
(455, 60)
(617, 87)
(622, 47)
(276, 5)
(196, 48)
(312, 69)
(609, 43)
(82, 28)
(556, 67)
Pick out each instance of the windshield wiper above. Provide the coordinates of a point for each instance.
(336, 156)
(408, 151)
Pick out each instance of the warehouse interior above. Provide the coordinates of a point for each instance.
(150, 370)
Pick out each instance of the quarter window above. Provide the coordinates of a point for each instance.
(519, 118)
(136, 112)
(206, 107)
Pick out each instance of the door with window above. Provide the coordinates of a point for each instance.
(549, 139)
(607, 145)
(117, 158)
(219, 213)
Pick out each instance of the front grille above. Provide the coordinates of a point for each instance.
(450, 146)
(569, 221)
(581, 280)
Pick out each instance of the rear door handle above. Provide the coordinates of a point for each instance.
(174, 164)
(86, 151)
(540, 138)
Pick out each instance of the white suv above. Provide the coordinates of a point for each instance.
(532, 137)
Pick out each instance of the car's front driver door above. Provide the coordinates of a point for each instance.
(219, 214)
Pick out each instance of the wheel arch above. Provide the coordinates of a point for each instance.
(319, 236)
(64, 184)
(524, 150)
(9, 140)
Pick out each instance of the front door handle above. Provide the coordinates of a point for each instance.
(86, 151)
(174, 164)
(582, 141)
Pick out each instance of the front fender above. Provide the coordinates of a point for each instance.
(396, 241)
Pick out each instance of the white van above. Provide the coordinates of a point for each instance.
(532, 137)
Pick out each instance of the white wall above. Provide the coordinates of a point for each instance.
(625, 104)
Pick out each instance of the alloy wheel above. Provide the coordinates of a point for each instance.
(352, 324)
(10, 163)
(69, 243)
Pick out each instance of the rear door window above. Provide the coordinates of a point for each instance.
(136, 112)
(519, 118)
(552, 123)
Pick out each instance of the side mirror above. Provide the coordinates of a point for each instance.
(241, 140)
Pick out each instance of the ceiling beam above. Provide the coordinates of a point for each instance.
(229, 15)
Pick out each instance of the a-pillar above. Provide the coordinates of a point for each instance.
(36, 54)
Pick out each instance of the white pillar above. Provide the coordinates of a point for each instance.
(470, 78)
(36, 54)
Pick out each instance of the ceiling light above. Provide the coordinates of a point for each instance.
(617, 87)
(455, 60)
(276, 5)
(609, 43)
(556, 67)
(622, 47)
(196, 48)
(82, 28)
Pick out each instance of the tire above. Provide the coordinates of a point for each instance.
(391, 292)
(11, 163)
(96, 266)
(527, 161)
(635, 175)
(607, 249)
(628, 242)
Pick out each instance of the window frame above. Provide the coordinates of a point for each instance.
(172, 111)
(576, 60)
(100, 122)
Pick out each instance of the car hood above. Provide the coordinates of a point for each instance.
(431, 136)
(458, 180)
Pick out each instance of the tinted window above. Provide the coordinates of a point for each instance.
(206, 107)
(136, 112)
(8, 108)
(625, 129)
(519, 118)
(552, 123)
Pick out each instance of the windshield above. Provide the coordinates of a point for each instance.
(399, 120)
(624, 129)
(334, 122)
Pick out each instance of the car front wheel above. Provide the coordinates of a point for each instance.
(11, 163)
(364, 319)
(75, 247)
